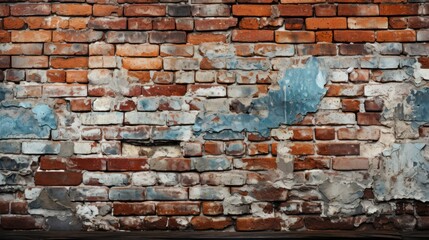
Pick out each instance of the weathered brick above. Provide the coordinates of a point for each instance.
(358, 10)
(294, 37)
(142, 10)
(72, 9)
(29, 9)
(126, 194)
(252, 35)
(133, 209)
(166, 193)
(178, 208)
(208, 193)
(208, 223)
(257, 224)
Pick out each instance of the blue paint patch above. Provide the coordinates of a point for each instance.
(224, 135)
(416, 106)
(22, 121)
(301, 90)
(176, 133)
(211, 164)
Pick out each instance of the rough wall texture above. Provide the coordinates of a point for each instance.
(234, 115)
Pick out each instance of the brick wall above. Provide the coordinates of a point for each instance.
(234, 115)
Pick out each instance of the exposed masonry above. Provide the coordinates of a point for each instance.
(227, 115)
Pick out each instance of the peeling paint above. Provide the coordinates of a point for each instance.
(23, 121)
(403, 174)
(301, 90)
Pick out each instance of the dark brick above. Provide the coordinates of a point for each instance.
(179, 10)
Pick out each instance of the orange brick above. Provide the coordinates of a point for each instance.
(31, 36)
(326, 10)
(77, 76)
(291, 10)
(198, 38)
(13, 23)
(215, 24)
(368, 23)
(396, 36)
(295, 37)
(107, 10)
(324, 36)
(4, 10)
(350, 105)
(72, 9)
(252, 35)
(69, 62)
(301, 148)
(326, 23)
(252, 10)
(354, 36)
(144, 50)
(80, 105)
(358, 10)
(142, 63)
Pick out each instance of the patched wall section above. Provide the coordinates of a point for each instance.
(214, 115)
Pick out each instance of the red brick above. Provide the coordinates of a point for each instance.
(257, 224)
(374, 105)
(359, 76)
(258, 148)
(399, 9)
(133, 209)
(127, 164)
(29, 9)
(143, 50)
(72, 9)
(80, 105)
(252, 35)
(107, 10)
(164, 24)
(358, 10)
(338, 149)
(325, 23)
(140, 24)
(178, 208)
(294, 23)
(309, 163)
(368, 118)
(25, 222)
(164, 90)
(261, 163)
(52, 163)
(354, 36)
(324, 223)
(325, 133)
(90, 164)
(338, 90)
(19, 208)
(396, 36)
(215, 24)
(350, 164)
(295, 37)
(326, 10)
(53, 22)
(4, 207)
(398, 22)
(353, 49)
(4, 10)
(208, 223)
(290, 10)
(108, 23)
(58, 178)
(198, 38)
(350, 105)
(143, 10)
(214, 148)
(5, 36)
(252, 10)
(65, 49)
(249, 23)
(125, 106)
(212, 208)
(417, 22)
